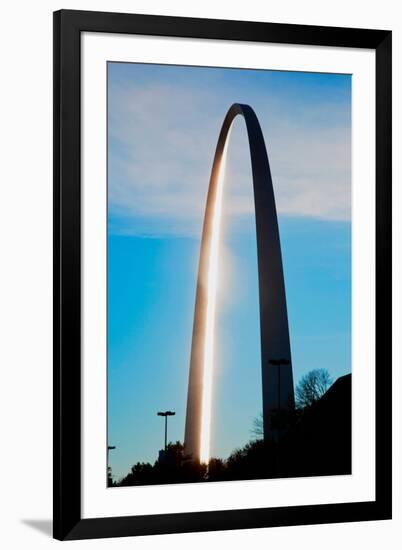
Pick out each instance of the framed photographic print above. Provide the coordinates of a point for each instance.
(222, 272)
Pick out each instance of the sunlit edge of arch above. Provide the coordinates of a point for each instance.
(210, 323)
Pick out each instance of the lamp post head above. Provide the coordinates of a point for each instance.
(166, 413)
(278, 362)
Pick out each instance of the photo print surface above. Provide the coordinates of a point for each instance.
(229, 274)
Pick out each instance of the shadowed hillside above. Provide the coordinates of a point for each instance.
(320, 442)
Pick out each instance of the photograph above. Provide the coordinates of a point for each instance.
(222, 270)
(229, 274)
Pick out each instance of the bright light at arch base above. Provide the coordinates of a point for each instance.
(212, 284)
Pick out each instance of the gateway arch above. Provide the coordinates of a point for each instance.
(276, 364)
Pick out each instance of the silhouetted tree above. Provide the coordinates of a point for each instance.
(281, 419)
(312, 387)
(255, 460)
(141, 474)
(172, 467)
(257, 431)
(217, 470)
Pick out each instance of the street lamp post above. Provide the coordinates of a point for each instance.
(279, 363)
(166, 414)
(110, 448)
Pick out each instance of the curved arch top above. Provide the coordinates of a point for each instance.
(276, 364)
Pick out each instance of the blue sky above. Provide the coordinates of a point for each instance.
(163, 125)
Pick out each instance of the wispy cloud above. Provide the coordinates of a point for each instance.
(162, 136)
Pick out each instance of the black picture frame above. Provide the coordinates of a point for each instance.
(68, 26)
